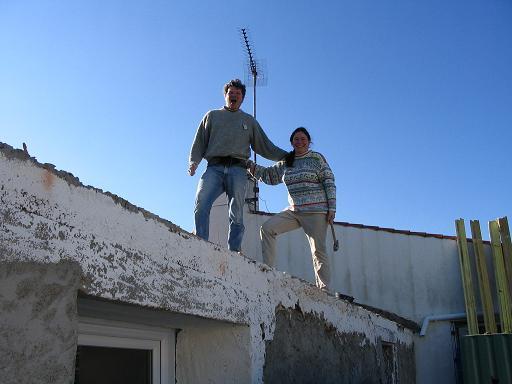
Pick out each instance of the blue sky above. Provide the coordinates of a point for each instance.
(409, 101)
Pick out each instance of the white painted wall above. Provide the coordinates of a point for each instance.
(411, 275)
(219, 354)
(128, 255)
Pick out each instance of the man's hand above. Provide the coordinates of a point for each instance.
(330, 216)
(192, 169)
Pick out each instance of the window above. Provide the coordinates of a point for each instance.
(111, 352)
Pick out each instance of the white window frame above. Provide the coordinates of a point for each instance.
(115, 334)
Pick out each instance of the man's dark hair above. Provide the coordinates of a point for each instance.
(290, 157)
(235, 83)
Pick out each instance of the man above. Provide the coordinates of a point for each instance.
(224, 138)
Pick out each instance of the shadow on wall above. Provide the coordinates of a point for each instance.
(307, 349)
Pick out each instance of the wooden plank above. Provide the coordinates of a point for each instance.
(465, 269)
(507, 250)
(483, 278)
(501, 279)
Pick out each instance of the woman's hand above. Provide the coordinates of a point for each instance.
(330, 216)
(250, 167)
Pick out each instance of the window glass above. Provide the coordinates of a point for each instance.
(104, 365)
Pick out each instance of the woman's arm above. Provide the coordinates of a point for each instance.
(272, 175)
(326, 177)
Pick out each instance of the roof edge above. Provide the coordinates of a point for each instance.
(23, 155)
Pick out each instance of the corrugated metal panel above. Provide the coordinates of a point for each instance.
(487, 359)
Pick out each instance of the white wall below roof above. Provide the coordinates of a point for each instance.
(411, 275)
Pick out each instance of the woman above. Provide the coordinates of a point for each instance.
(312, 198)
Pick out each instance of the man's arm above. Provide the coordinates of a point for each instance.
(198, 147)
(262, 145)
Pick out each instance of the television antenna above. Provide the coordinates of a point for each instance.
(256, 74)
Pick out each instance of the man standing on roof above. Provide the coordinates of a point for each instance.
(224, 138)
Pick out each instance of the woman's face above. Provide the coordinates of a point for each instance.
(300, 143)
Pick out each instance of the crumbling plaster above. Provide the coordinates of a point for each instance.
(128, 254)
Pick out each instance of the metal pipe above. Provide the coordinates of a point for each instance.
(448, 316)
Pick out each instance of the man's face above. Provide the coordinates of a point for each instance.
(233, 98)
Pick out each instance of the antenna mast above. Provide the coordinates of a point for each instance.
(253, 67)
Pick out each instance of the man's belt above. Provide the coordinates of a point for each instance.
(227, 161)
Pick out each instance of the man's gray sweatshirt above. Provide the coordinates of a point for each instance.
(226, 133)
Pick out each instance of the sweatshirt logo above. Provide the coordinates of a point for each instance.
(245, 126)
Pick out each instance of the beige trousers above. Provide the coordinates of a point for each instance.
(315, 227)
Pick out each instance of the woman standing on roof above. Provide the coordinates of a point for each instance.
(312, 199)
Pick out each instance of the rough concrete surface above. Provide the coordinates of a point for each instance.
(38, 322)
(308, 349)
(207, 355)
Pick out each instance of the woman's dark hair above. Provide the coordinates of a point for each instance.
(290, 157)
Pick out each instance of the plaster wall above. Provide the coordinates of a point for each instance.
(208, 355)
(412, 275)
(128, 255)
(38, 322)
(331, 357)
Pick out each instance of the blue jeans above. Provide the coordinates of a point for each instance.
(214, 181)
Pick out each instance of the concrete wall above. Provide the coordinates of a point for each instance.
(414, 275)
(126, 255)
(38, 324)
(219, 354)
(327, 356)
